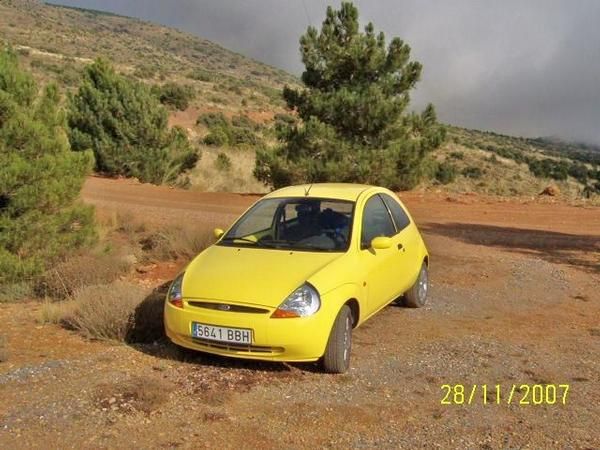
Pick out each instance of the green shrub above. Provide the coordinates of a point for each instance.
(201, 75)
(144, 72)
(579, 171)
(127, 129)
(213, 119)
(243, 121)
(218, 137)
(175, 95)
(549, 168)
(445, 173)
(223, 162)
(472, 172)
(217, 99)
(242, 137)
(41, 217)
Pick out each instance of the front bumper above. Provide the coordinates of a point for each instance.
(290, 339)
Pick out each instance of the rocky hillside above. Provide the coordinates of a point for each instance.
(56, 42)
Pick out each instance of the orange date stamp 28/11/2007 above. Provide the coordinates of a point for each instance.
(496, 394)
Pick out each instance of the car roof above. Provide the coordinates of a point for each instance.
(341, 191)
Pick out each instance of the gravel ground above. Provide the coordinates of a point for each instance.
(499, 314)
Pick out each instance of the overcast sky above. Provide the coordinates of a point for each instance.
(520, 67)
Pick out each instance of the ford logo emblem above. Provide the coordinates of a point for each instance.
(223, 307)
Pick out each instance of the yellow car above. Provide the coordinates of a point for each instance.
(296, 273)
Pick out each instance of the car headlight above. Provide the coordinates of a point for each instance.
(304, 301)
(175, 294)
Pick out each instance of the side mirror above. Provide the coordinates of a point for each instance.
(381, 243)
(218, 233)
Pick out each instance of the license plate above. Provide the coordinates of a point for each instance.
(222, 334)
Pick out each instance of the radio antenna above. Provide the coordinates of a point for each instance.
(307, 190)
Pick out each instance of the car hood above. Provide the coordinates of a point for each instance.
(251, 275)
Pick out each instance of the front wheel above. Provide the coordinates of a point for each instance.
(337, 354)
(416, 296)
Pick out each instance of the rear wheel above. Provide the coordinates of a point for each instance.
(337, 354)
(416, 296)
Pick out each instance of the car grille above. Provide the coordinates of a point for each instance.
(237, 347)
(226, 307)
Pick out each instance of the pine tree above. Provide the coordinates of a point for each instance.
(353, 109)
(127, 128)
(41, 178)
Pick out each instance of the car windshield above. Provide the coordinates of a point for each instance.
(299, 223)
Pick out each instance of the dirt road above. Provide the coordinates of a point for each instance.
(515, 301)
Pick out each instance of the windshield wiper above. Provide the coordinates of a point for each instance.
(244, 239)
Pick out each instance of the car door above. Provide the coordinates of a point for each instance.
(378, 265)
(406, 264)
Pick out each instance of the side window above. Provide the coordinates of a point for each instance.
(376, 221)
(400, 218)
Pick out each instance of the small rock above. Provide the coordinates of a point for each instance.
(551, 190)
(145, 269)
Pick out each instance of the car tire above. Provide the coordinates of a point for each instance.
(337, 354)
(416, 296)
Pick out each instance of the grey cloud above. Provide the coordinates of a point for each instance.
(526, 68)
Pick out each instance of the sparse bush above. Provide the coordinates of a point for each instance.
(223, 162)
(243, 121)
(41, 218)
(144, 72)
(472, 172)
(242, 137)
(579, 171)
(146, 325)
(201, 75)
(56, 312)
(457, 155)
(175, 95)
(445, 173)
(285, 118)
(549, 168)
(217, 99)
(218, 137)
(223, 132)
(126, 127)
(176, 242)
(213, 119)
(64, 279)
(104, 311)
(15, 291)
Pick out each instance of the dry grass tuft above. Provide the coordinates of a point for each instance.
(146, 324)
(105, 311)
(56, 312)
(207, 176)
(64, 279)
(176, 242)
(3, 350)
(118, 311)
(12, 292)
(138, 394)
